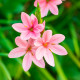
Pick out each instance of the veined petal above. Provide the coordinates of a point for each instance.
(49, 58)
(27, 61)
(26, 19)
(34, 20)
(58, 49)
(17, 52)
(47, 35)
(56, 2)
(39, 63)
(21, 43)
(44, 11)
(38, 42)
(31, 41)
(35, 3)
(25, 35)
(39, 28)
(19, 27)
(44, 24)
(35, 35)
(57, 38)
(53, 9)
(42, 3)
(40, 52)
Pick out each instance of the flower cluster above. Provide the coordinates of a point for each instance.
(32, 45)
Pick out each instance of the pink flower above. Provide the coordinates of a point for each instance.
(29, 28)
(28, 49)
(48, 44)
(47, 5)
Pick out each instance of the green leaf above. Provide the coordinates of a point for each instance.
(75, 40)
(5, 71)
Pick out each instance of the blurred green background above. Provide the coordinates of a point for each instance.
(67, 23)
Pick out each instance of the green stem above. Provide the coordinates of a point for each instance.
(46, 73)
(2, 54)
(2, 21)
(59, 69)
(38, 14)
(71, 55)
(5, 71)
(75, 40)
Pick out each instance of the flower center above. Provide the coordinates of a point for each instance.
(47, 0)
(45, 44)
(29, 49)
(31, 29)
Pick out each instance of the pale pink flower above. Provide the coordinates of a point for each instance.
(48, 44)
(47, 5)
(29, 28)
(28, 49)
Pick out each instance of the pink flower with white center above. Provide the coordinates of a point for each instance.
(48, 44)
(47, 5)
(28, 49)
(29, 28)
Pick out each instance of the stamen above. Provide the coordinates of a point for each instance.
(47, 0)
(31, 29)
(45, 44)
(29, 49)
(53, 44)
(32, 54)
(50, 50)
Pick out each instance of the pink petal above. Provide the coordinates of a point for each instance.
(39, 28)
(42, 3)
(31, 41)
(44, 24)
(38, 42)
(27, 62)
(19, 27)
(47, 35)
(53, 9)
(44, 11)
(56, 2)
(35, 35)
(58, 49)
(57, 38)
(35, 3)
(17, 52)
(40, 52)
(49, 58)
(39, 63)
(34, 20)
(26, 19)
(21, 43)
(25, 35)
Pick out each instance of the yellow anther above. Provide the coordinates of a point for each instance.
(53, 44)
(50, 50)
(32, 54)
(25, 26)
